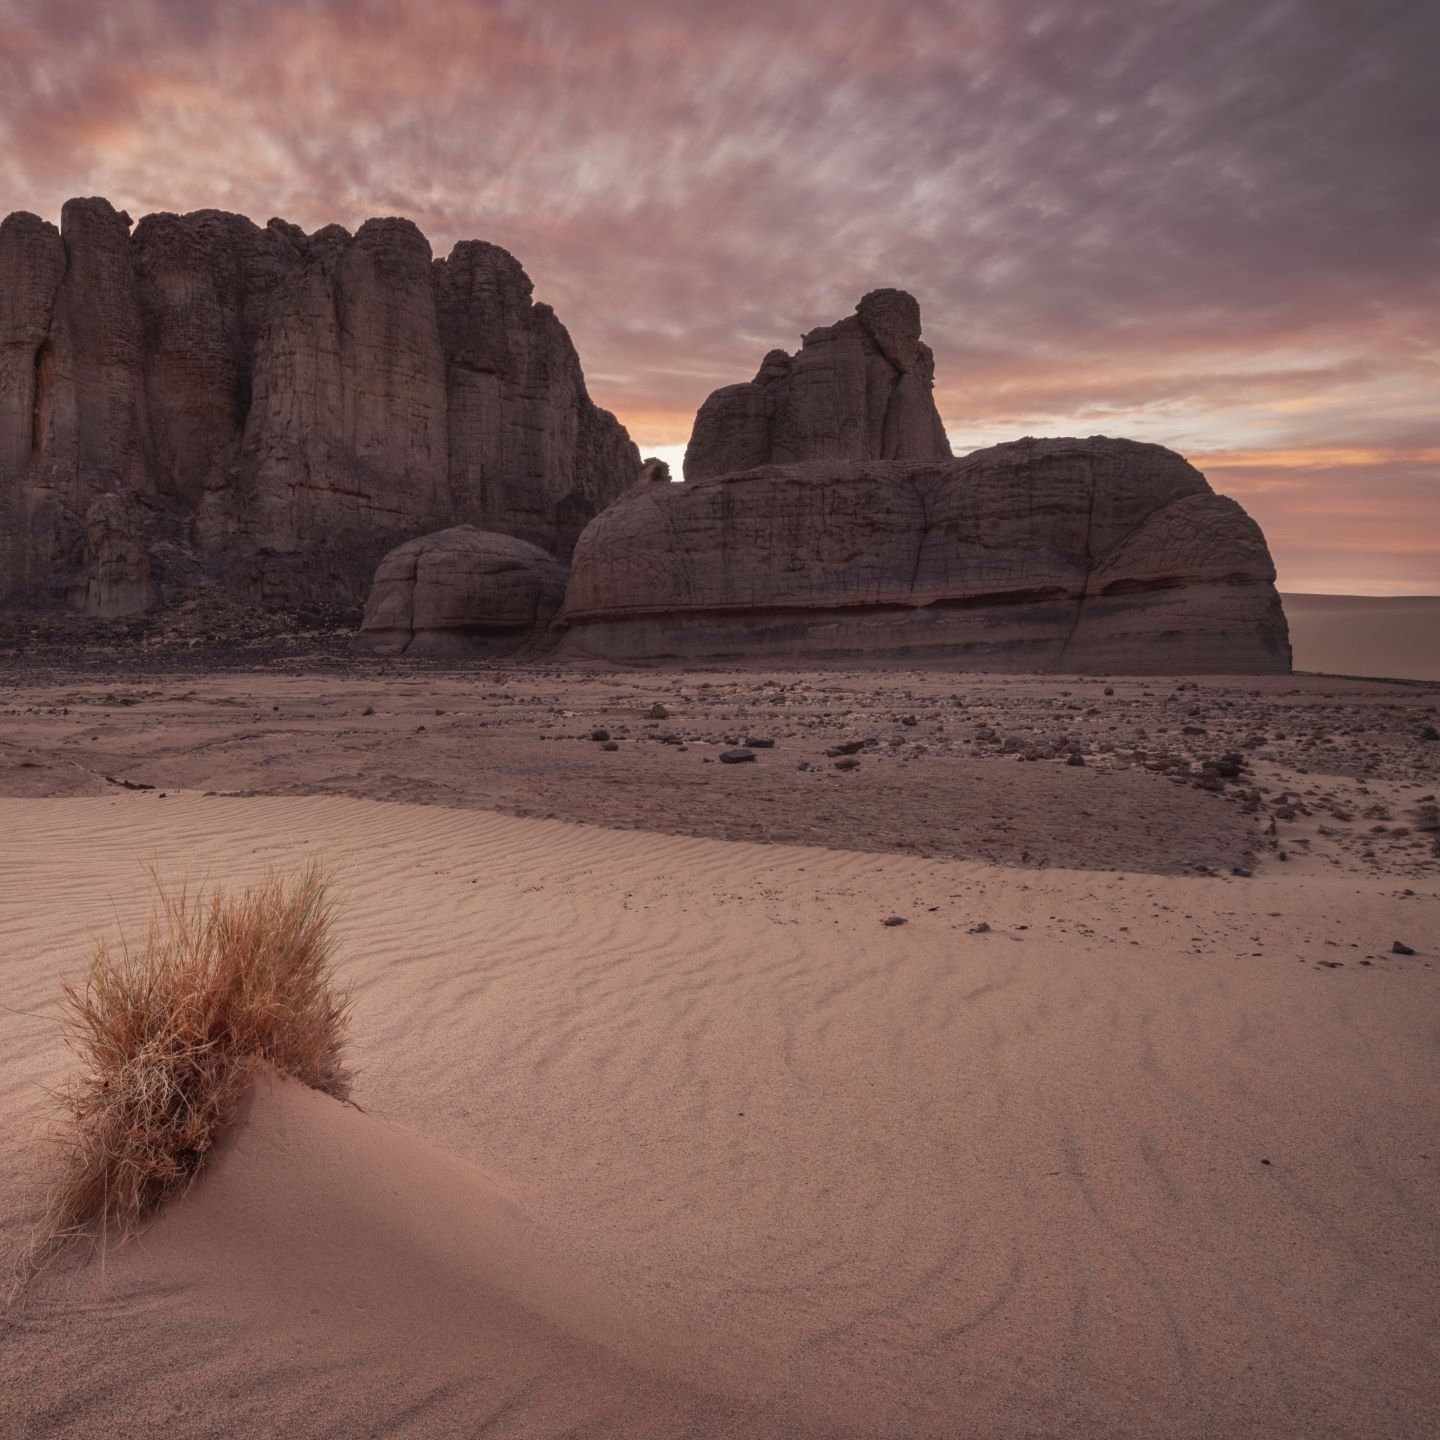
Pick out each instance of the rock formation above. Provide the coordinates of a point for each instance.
(273, 409)
(859, 390)
(462, 591)
(1073, 555)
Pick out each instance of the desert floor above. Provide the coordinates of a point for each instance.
(1129, 1130)
(1395, 635)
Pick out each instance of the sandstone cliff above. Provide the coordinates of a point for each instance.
(858, 390)
(204, 397)
(1073, 555)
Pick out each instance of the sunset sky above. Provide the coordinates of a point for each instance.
(1209, 223)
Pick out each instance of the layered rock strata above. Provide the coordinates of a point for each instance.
(462, 591)
(206, 398)
(861, 389)
(1090, 555)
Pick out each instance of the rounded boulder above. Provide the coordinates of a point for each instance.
(463, 591)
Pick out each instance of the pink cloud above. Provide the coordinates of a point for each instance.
(1214, 224)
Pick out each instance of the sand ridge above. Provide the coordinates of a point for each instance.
(828, 1176)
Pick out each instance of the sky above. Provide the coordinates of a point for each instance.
(1214, 224)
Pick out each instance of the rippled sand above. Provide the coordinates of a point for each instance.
(667, 1135)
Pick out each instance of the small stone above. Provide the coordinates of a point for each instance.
(983, 928)
(600, 735)
(756, 742)
(848, 762)
(1401, 948)
(1074, 758)
(893, 920)
(658, 712)
(368, 710)
(737, 756)
(609, 745)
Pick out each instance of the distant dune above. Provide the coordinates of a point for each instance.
(1397, 637)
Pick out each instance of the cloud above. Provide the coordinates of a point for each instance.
(1213, 222)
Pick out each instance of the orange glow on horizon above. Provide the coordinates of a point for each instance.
(1317, 458)
(650, 427)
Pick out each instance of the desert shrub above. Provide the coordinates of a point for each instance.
(168, 1034)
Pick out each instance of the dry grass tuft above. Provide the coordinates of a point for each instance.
(168, 1036)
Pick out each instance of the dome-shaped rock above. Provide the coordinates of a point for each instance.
(1070, 555)
(462, 591)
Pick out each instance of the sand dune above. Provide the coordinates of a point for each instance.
(1395, 636)
(326, 1233)
(670, 1135)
